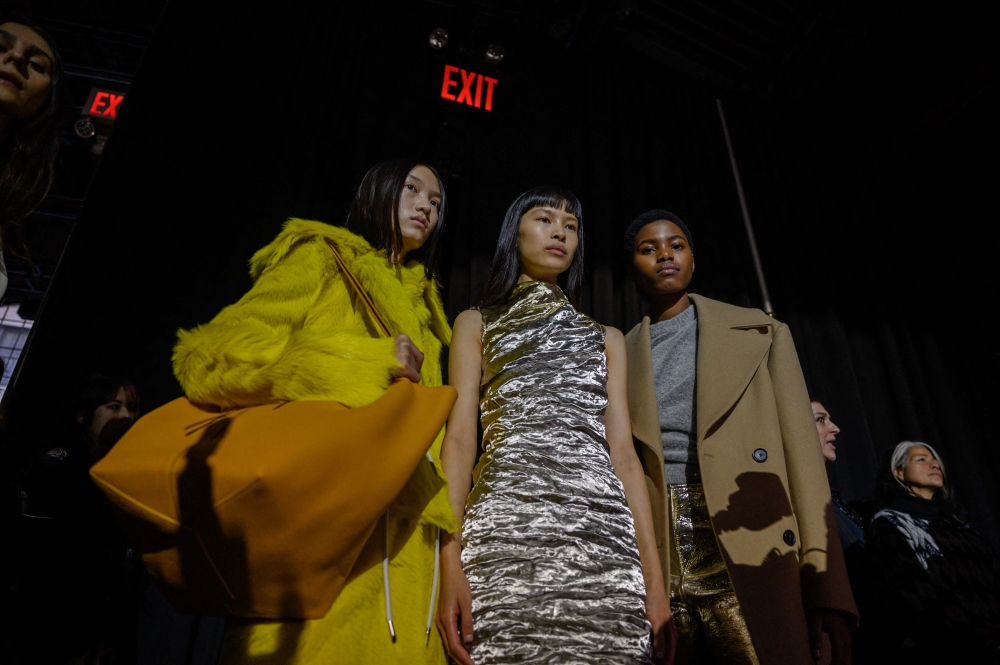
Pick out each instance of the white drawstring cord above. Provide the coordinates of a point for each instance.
(434, 584)
(385, 579)
(434, 579)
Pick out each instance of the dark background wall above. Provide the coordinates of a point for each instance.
(865, 139)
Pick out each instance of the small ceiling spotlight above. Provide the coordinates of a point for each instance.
(438, 38)
(495, 54)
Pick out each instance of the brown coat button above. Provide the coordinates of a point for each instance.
(788, 537)
(760, 455)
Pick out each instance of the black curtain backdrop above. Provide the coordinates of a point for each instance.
(868, 217)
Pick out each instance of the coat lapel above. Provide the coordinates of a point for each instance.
(732, 342)
(642, 407)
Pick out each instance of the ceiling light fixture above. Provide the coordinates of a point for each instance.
(494, 54)
(438, 38)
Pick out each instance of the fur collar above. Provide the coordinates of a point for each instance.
(384, 282)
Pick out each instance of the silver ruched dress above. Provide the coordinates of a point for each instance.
(549, 543)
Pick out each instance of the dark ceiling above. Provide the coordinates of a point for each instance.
(740, 45)
(748, 45)
(894, 63)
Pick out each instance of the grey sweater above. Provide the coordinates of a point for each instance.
(674, 349)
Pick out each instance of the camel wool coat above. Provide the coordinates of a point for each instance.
(301, 333)
(762, 469)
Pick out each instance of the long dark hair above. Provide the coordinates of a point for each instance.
(374, 213)
(28, 155)
(507, 259)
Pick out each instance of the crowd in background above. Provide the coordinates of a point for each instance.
(927, 583)
(77, 571)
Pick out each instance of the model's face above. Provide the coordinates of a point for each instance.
(109, 423)
(418, 208)
(921, 472)
(827, 430)
(546, 242)
(26, 62)
(662, 259)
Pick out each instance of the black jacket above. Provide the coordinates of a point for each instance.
(937, 583)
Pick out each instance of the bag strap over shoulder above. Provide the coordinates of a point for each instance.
(369, 304)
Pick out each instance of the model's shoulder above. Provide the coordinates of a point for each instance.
(723, 313)
(614, 342)
(298, 231)
(471, 320)
(467, 331)
(469, 316)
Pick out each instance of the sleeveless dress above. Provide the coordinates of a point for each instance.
(549, 544)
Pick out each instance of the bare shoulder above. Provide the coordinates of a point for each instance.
(464, 364)
(613, 339)
(468, 325)
(614, 351)
(470, 318)
(614, 345)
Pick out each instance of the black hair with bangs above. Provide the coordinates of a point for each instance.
(507, 259)
(374, 212)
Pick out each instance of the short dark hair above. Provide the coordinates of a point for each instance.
(374, 212)
(647, 218)
(507, 260)
(98, 389)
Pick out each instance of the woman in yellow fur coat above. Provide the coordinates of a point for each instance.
(300, 333)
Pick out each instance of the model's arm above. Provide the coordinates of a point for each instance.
(618, 430)
(265, 347)
(458, 456)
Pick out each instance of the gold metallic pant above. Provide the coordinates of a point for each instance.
(707, 615)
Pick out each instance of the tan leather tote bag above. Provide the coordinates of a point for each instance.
(262, 511)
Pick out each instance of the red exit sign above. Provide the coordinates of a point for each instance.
(467, 88)
(103, 104)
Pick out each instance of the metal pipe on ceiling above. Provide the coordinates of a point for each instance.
(758, 267)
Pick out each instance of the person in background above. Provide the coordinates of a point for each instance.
(937, 579)
(849, 523)
(105, 409)
(851, 527)
(32, 103)
(721, 420)
(302, 333)
(80, 579)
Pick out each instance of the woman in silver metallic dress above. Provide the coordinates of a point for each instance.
(551, 565)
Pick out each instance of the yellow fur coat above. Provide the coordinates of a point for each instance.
(299, 333)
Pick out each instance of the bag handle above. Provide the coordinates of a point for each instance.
(379, 319)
